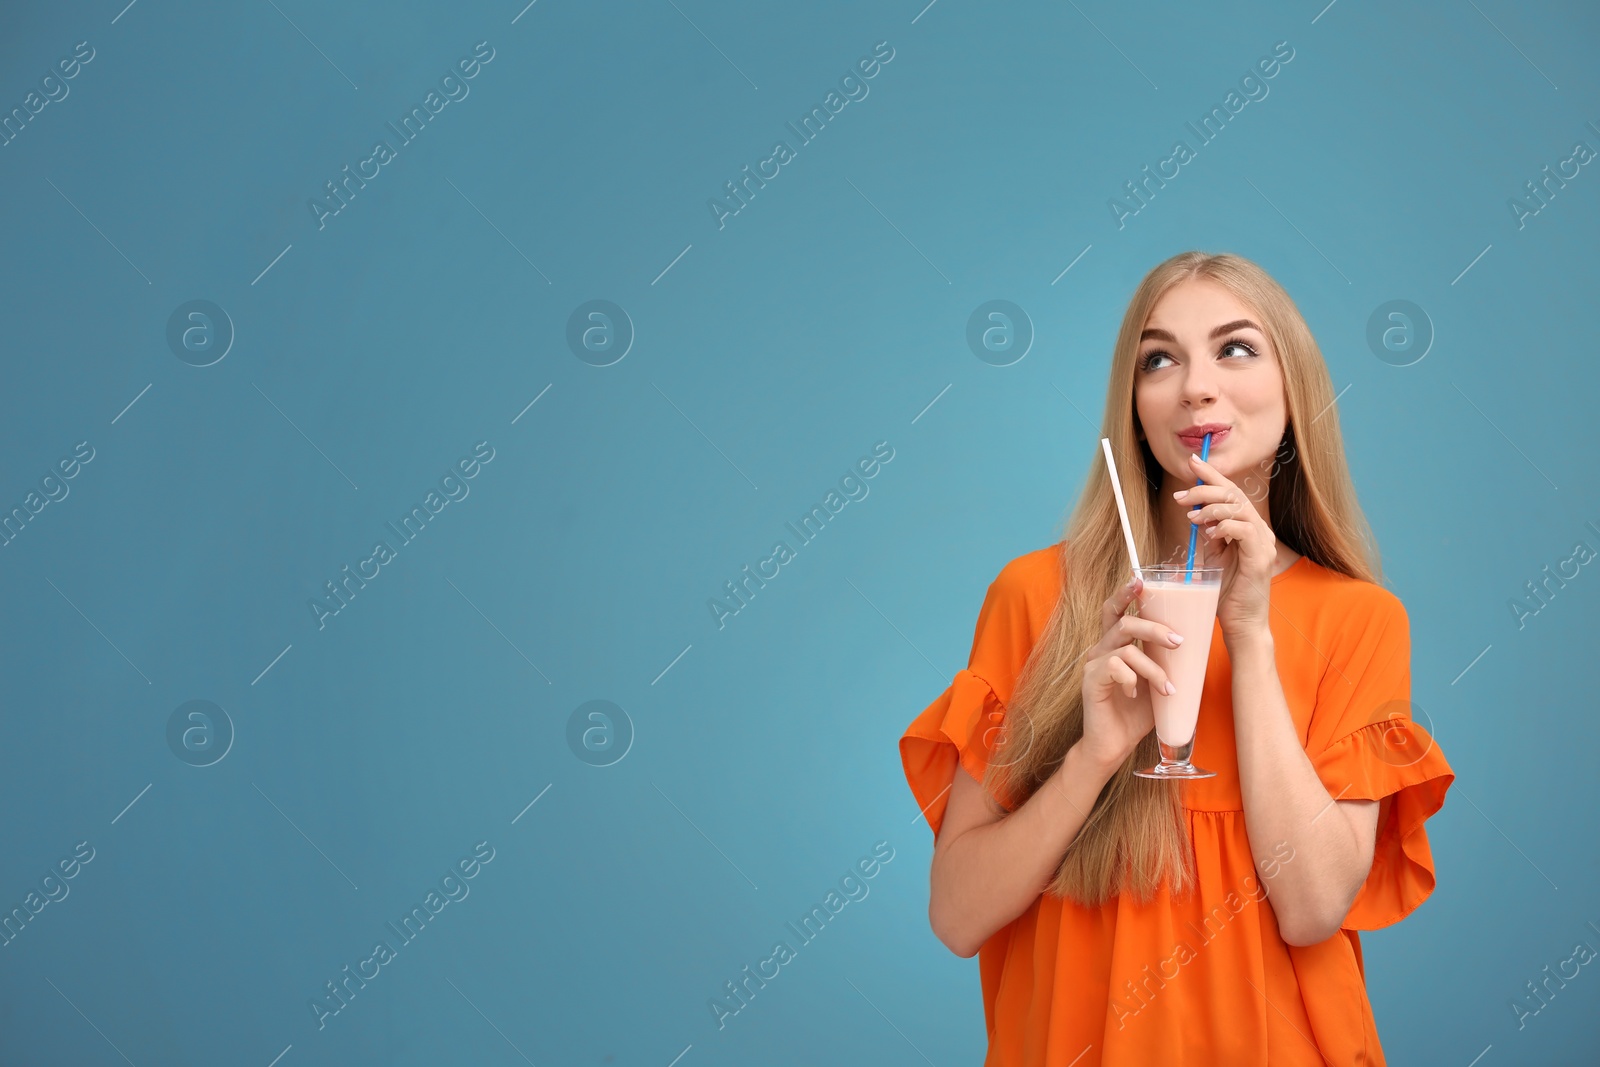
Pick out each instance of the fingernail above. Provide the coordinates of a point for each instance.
(1180, 494)
(1170, 689)
(1177, 638)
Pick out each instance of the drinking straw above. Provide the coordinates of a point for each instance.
(1122, 508)
(1194, 528)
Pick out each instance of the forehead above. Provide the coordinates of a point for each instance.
(1196, 305)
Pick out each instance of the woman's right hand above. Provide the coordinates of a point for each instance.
(1117, 713)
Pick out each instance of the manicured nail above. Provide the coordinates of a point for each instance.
(1176, 638)
(1170, 689)
(1196, 458)
(1180, 494)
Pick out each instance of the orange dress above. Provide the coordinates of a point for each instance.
(1204, 978)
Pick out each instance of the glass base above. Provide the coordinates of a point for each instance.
(1175, 763)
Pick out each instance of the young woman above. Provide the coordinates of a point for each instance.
(1121, 920)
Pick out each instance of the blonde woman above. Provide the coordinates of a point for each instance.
(1121, 920)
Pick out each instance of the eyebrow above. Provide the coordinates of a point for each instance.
(1227, 327)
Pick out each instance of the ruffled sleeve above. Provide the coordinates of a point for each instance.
(962, 724)
(1365, 744)
(968, 719)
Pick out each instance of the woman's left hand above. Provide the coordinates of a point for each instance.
(1243, 544)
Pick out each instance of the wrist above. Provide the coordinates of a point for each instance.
(1251, 645)
(1080, 762)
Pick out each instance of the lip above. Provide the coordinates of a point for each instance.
(1195, 435)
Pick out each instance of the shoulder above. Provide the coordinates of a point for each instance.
(1343, 628)
(1029, 584)
(1015, 612)
(1352, 602)
(1031, 572)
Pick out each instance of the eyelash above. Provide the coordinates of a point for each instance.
(1144, 361)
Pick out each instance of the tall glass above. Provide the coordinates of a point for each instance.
(1184, 601)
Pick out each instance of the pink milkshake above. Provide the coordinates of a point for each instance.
(1188, 608)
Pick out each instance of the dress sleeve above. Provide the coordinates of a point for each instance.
(1365, 745)
(966, 722)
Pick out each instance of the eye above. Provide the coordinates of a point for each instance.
(1148, 360)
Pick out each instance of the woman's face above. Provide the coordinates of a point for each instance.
(1204, 362)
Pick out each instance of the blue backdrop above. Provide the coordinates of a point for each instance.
(573, 346)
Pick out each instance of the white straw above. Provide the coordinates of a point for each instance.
(1122, 508)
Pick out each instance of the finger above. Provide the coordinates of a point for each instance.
(1117, 603)
(1230, 530)
(1132, 626)
(1229, 507)
(1201, 494)
(1147, 667)
(1097, 672)
(1123, 674)
(1209, 474)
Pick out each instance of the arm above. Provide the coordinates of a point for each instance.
(989, 867)
(1284, 800)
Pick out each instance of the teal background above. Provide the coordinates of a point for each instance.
(768, 356)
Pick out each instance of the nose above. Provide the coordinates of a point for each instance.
(1199, 383)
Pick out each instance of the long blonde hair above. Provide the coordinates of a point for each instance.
(1136, 833)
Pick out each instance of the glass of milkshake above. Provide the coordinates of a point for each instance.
(1185, 601)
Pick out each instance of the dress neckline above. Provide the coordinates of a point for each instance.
(1276, 578)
